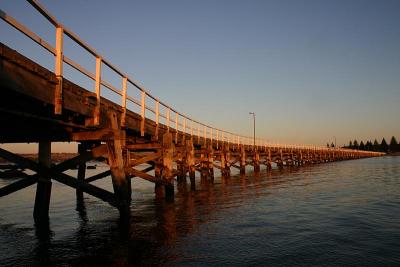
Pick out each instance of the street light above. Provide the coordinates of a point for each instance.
(254, 128)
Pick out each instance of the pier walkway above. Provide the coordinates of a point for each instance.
(156, 143)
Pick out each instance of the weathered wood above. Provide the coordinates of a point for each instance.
(87, 188)
(98, 176)
(210, 164)
(18, 185)
(82, 147)
(190, 162)
(167, 161)
(43, 189)
(242, 160)
(144, 146)
(121, 185)
(100, 134)
(146, 159)
(148, 177)
(256, 161)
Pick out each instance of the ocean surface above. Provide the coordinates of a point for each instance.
(337, 214)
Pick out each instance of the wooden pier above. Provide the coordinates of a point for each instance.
(41, 106)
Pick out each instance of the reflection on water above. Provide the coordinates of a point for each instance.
(342, 213)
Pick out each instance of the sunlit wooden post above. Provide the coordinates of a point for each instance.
(211, 137)
(198, 133)
(256, 161)
(176, 127)
(191, 131)
(142, 113)
(97, 89)
(168, 118)
(157, 109)
(123, 103)
(184, 131)
(217, 133)
(205, 135)
(167, 173)
(58, 94)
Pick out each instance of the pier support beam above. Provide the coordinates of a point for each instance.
(181, 166)
(190, 162)
(121, 183)
(256, 161)
(43, 189)
(242, 160)
(167, 161)
(211, 163)
(82, 148)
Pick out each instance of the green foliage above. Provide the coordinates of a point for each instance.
(393, 146)
(362, 146)
(355, 144)
(384, 146)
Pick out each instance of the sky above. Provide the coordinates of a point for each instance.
(310, 70)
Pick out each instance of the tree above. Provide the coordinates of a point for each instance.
(393, 146)
(355, 144)
(332, 144)
(384, 146)
(350, 144)
(376, 146)
(368, 146)
(362, 146)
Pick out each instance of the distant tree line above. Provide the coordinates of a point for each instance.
(383, 146)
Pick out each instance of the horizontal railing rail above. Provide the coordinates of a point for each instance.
(180, 122)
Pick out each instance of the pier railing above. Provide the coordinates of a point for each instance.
(173, 118)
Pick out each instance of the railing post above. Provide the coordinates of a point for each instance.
(124, 88)
(184, 131)
(97, 89)
(191, 130)
(198, 134)
(211, 137)
(58, 96)
(168, 113)
(176, 127)
(205, 135)
(142, 113)
(217, 133)
(157, 117)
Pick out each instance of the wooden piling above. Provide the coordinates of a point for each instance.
(82, 148)
(43, 189)
(256, 161)
(168, 149)
(190, 163)
(121, 184)
(242, 160)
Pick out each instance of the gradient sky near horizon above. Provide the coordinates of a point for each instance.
(309, 69)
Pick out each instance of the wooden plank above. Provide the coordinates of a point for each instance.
(143, 146)
(18, 185)
(101, 134)
(98, 176)
(147, 177)
(85, 187)
(145, 159)
(121, 185)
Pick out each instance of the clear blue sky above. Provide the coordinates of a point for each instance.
(310, 70)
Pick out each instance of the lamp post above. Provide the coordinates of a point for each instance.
(254, 128)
